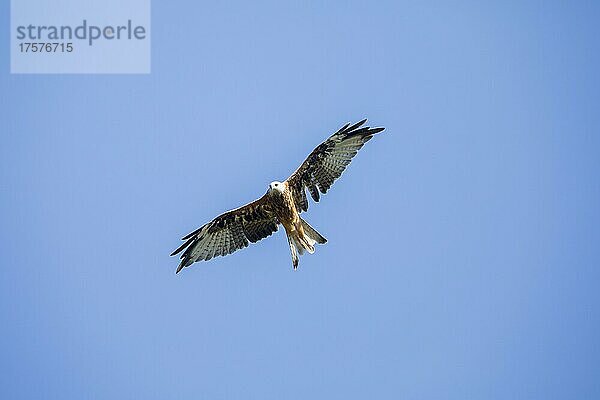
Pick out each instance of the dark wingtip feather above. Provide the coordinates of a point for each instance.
(342, 129)
(183, 246)
(356, 125)
(177, 250)
(185, 262)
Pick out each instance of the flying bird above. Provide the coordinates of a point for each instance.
(281, 204)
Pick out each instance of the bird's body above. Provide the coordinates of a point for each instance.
(282, 204)
(287, 214)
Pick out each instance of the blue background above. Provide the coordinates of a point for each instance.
(463, 257)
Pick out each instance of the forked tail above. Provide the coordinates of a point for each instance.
(303, 239)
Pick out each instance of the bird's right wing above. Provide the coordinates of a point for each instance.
(228, 232)
(327, 162)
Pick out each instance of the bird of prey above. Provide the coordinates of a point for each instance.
(282, 204)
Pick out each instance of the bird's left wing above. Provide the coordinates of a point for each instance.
(228, 232)
(327, 162)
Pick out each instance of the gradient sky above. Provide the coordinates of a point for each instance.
(463, 257)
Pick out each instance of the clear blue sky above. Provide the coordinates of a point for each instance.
(463, 257)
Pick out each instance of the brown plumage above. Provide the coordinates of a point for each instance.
(282, 204)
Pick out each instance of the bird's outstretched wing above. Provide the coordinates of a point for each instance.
(327, 162)
(228, 232)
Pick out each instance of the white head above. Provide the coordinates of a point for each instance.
(277, 187)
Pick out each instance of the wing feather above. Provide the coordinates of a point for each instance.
(327, 162)
(228, 232)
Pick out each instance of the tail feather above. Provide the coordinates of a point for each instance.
(301, 243)
(312, 233)
(304, 243)
(294, 252)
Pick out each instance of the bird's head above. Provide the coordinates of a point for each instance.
(276, 187)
